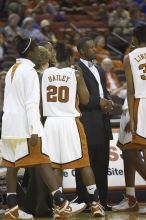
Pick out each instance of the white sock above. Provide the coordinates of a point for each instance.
(130, 191)
(11, 193)
(91, 189)
(61, 189)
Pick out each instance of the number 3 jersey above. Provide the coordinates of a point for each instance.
(138, 68)
(59, 92)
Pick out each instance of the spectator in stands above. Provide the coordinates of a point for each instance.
(12, 29)
(30, 30)
(136, 17)
(102, 52)
(70, 6)
(142, 5)
(47, 34)
(14, 7)
(100, 43)
(2, 45)
(36, 7)
(102, 13)
(119, 20)
(72, 42)
(113, 84)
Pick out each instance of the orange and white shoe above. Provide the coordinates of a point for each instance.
(97, 209)
(11, 213)
(68, 210)
(129, 203)
(16, 213)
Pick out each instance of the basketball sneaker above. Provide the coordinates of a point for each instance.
(23, 215)
(16, 213)
(129, 203)
(142, 211)
(97, 209)
(68, 210)
(2, 211)
(11, 213)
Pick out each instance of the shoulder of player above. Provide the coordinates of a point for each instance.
(48, 71)
(79, 74)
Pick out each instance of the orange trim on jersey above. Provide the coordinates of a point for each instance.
(84, 160)
(137, 139)
(130, 146)
(136, 105)
(14, 70)
(7, 163)
(35, 157)
(77, 105)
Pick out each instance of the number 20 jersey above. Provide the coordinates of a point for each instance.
(138, 68)
(59, 92)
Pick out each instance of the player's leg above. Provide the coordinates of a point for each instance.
(144, 155)
(11, 182)
(136, 159)
(89, 181)
(13, 211)
(59, 177)
(143, 210)
(62, 208)
(9, 160)
(129, 203)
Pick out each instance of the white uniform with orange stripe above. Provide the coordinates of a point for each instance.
(21, 116)
(138, 66)
(125, 138)
(63, 131)
(59, 92)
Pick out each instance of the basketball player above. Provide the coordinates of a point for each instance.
(62, 86)
(135, 69)
(24, 143)
(134, 160)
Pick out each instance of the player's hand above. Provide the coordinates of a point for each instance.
(33, 140)
(106, 105)
(127, 127)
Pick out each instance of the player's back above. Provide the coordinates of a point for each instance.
(21, 91)
(59, 92)
(138, 67)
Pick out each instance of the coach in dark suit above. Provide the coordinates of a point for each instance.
(95, 118)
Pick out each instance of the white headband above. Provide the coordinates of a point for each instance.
(27, 46)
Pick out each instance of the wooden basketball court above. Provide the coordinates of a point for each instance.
(109, 216)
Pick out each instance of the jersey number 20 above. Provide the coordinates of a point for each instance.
(55, 94)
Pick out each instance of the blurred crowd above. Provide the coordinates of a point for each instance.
(38, 18)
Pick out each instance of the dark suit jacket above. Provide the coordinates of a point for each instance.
(97, 125)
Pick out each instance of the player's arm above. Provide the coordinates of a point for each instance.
(32, 105)
(82, 90)
(130, 91)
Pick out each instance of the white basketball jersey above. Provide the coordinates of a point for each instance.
(59, 91)
(138, 67)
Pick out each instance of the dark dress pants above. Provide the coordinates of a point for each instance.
(99, 160)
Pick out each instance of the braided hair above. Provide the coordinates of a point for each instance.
(63, 52)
